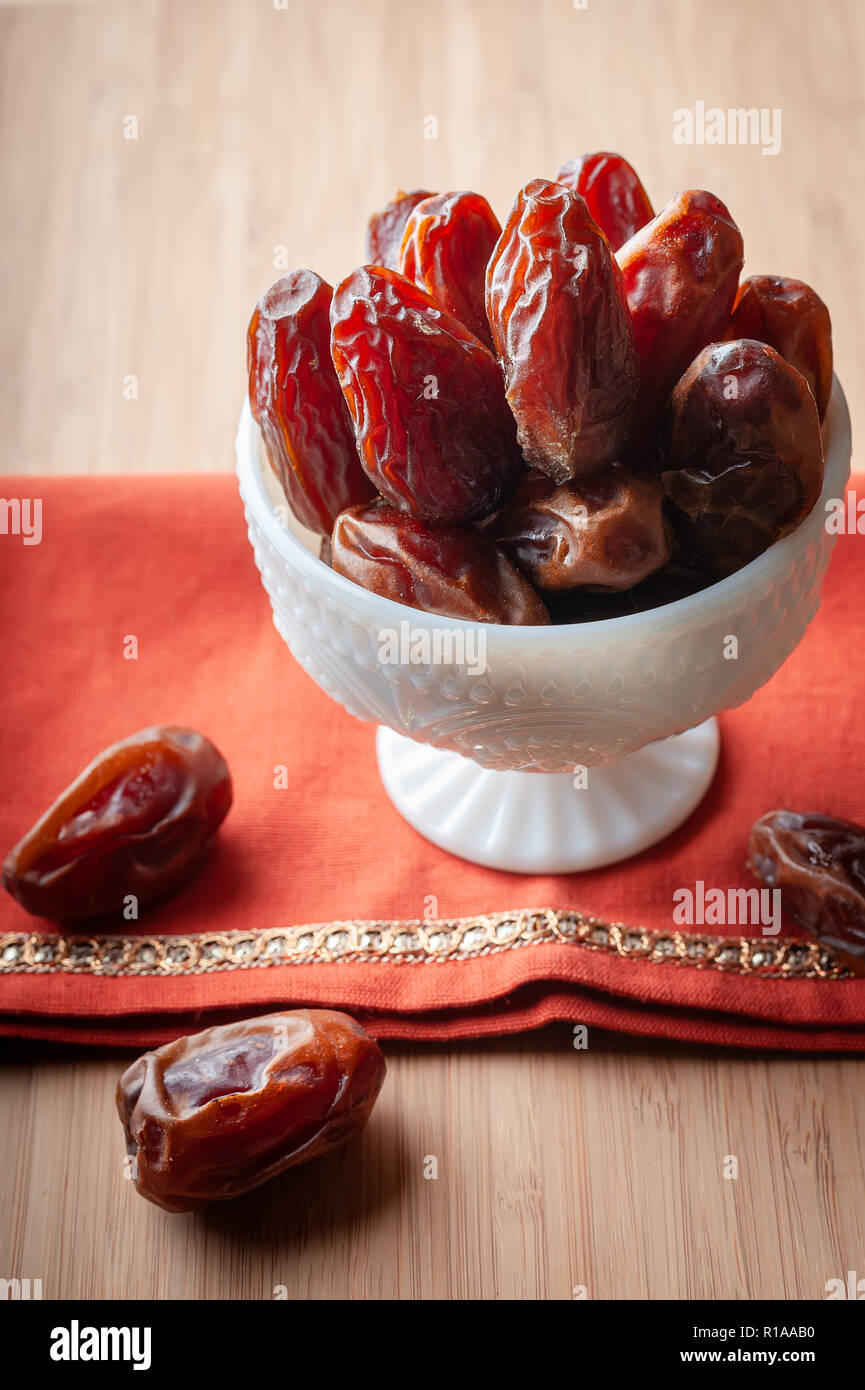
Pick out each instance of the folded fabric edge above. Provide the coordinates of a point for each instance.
(528, 1009)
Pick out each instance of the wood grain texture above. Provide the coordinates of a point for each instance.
(556, 1168)
(259, 129)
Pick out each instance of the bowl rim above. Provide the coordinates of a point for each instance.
(758, 575)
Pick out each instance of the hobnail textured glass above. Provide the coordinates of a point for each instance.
(551, 699)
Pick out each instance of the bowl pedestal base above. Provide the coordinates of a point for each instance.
(548, 823)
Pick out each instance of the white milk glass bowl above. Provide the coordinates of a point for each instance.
(576, 746)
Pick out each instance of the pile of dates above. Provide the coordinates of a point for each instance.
(581, 414)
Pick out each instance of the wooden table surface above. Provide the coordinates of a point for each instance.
(270, 130)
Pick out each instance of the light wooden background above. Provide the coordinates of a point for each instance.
(261, 128)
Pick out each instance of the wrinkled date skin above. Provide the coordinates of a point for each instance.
(606, 532)
(561, 328)
(613, 192)
(449, 570)
(386, 229)
(137, 821)
(209, 1117)
(297, 401)
(427, 399)
(792, 319)
(446, 247)
(818, 863)
(742, 471)
(681, 273)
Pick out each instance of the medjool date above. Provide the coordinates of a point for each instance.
(613, 192)
(562, 331)
(211, 1116)
(681, 272)
(447, 244)
(386, 228)
(449, 570)
(605, 532)
(297, 401)
(792, 319)
(818, 863)
(431, 421)
(743, 452)
(136, 822)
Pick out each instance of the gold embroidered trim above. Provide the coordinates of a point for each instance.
(463, 938)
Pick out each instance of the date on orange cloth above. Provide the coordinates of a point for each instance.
(316, 891)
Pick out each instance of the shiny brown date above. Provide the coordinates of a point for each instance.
(744, 456)
(450, 570)
(605, 532)
(446, 247)
(385, 231)
(818, 863)
(433, 428)
(562, 332)
(681, 273)
(613, 192)
(136, 822)
(792, 319)
(298, 404)
(211, 1116)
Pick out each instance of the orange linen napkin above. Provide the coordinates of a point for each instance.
(166, 561)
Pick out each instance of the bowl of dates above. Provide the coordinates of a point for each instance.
(540, 499)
